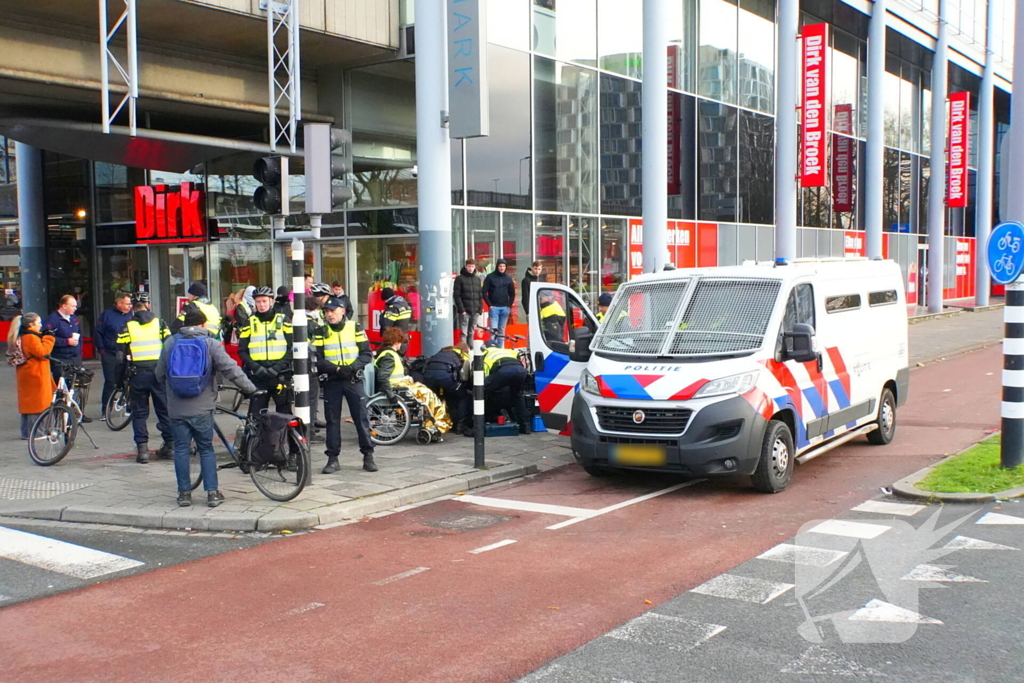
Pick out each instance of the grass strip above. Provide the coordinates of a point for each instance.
(976, 470)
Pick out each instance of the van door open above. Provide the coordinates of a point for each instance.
(561, 327)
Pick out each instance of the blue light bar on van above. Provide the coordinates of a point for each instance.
(781, 261)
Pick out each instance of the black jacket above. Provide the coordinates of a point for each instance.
(448, 361)
(500, 289)
(525, 289)
(468, 293)
(347, 304)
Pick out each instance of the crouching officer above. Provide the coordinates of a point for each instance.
(342, 351)
(446, 373)
(265, 347)
(502, 370)
(141, 340)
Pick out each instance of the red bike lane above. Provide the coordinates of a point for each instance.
(401, 598)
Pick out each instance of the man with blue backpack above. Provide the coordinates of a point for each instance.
(187, 367)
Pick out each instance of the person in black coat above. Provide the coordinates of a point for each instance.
(447, 373)
(500, 295)
(532, 275)
(468, 294)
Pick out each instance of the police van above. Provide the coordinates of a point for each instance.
(741, 370)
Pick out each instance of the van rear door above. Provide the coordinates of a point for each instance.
(556, 313)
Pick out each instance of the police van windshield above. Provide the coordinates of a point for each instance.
(696, 316)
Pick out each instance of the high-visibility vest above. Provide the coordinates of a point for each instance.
(340, 348)
(267, 339)
(246, 308)
(495, 354)
(145, 342)
(600, 316)
(553, 308)
(212, 317)
(399, 372)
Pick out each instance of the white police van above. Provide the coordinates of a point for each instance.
(723, 371)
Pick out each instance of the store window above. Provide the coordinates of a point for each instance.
(508, 23)
(756, 57)
(716, 59)
(682, 156)
(483, 239)
(757, 168)
(388, 262)
(517, 250)
(847, 59)
(620, 134)
(565, 145)
(891, 190)
(115, 191)
(620, 36)
(235, 266)
(613, 254)
(458, 238)
(891, 115)
(582, 264)
(717, 168)
(332, 264)
(551, 251)
(566, 30)
(122, 270)
(385, 222)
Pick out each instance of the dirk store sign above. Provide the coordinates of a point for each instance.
(170, 214)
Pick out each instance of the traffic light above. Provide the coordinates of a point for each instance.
(271, 197)
(328, 159)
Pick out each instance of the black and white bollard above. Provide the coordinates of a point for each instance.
(1012, 409)
(300, 338)
(478, 403)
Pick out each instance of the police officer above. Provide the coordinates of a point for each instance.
(552, 317)
(318, 295)
(265, 347)
(198, 299)
(397, 312)
(342, 351)
(446, 373)
(603, 302)
(502, 370)
(141, 340)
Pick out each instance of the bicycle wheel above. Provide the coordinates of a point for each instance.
(388, 423)
(52, 435)
(276, 481)
(118, 410)
(195, 473)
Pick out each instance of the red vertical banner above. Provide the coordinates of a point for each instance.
(842, 159)
(959, 115)
(707, 245)
(686, 244)
(814, 82)
(636, 247)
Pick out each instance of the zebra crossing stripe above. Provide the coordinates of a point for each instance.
(885, 508)
(665, 631)
(58, 556)
(839, 527)
(802, 555)
(742, 588)
(996, 518)
(966, 543)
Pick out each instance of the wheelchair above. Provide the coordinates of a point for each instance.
(390, 422)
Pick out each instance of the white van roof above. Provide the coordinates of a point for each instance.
(800, 268)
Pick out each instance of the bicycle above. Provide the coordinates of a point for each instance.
(1012, 242)
(118, 410)
(55, 430)
(523, 352)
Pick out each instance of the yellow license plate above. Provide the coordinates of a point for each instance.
(639, 454)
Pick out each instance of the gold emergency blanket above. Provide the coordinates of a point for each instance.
(435, 409)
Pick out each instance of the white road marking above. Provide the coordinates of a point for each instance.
(664, 631)
(399, 577)
(823, 662)
(742, 588)
(876, 610)
(626, 503)
(802, 554)
(929, 572)
(499, 544)
(58, 556)
(529, 507)
(996, 518)
(839, 527)
(965, 543)
(884, 508)
(306, 608)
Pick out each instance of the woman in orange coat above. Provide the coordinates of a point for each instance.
(35, 383)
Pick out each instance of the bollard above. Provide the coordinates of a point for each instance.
(1011, 452)
(300, 341)
(478, 403)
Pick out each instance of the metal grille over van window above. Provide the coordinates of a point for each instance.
(725, 316)
(889, 296)
(655, 421)
(846, 302)
(641, 318)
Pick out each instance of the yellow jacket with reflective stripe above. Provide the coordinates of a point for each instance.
(494, 354)
(145, 342)
(212, 317)
(553, 308)
(398, 374)
(339, 348)
(267, 339)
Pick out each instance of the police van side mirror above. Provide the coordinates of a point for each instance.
(798, 344)
(579, 346)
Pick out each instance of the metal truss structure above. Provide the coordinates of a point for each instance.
(283, 71)
(129, 75)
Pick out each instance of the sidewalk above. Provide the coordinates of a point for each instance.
(106, 486)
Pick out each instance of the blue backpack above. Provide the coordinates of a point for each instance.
(188, 368)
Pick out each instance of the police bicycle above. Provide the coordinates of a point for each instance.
(55, 430)
(118, 411)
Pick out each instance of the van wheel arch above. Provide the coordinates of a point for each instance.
(891, 386)
(785, 415)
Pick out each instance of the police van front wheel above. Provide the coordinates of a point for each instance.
(775, 468)
(886, 420)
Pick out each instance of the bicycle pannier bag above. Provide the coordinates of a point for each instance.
(15, 356)
(188, 371)
(272, 447)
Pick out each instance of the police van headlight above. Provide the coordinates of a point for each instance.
(588, 383)
(735, 384)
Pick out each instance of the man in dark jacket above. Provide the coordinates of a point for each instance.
(65, 327)
(468, 294)
(108, 327)
(199, 299)
(532, 275)
(140, 343)
(397, 311)
(346, 303)
(500, 295)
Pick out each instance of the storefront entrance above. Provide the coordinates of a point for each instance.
(182, 265)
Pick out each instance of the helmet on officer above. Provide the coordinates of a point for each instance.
(263, 291)
(320, 289)
(142, 298)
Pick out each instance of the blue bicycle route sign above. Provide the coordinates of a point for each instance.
(1006, 252)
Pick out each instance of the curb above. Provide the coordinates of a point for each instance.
(955, 353)
(905, 488)
(201, 519)
(947, 313)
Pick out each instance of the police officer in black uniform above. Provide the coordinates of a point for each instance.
(446, 373)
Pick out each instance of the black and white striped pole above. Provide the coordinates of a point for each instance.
(478, 403)
(300, 338)
(1012, 409)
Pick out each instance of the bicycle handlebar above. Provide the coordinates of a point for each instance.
(494, 333)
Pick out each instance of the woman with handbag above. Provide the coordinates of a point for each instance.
(27, 349)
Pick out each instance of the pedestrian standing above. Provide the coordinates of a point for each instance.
(199, 300)
(339, 292)
(35, 383)
(192, 416)
(66, 328)
(265, 348)
(108, 327)
(283, 302)
(500, 296)
(342, 351)
(469, 299)
(532, 275)
(141, 341)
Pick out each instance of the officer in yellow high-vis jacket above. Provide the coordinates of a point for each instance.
(265, 347)
(141, 340)
(504, 377)
(199, 300)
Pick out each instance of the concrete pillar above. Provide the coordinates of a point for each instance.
(937, 164)
(433, 151)
(786, 147)
(986, 165)
(32, 230)
(874, 164)
(655, 134)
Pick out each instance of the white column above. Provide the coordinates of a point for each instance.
(433, 152)
(937, 164)
(986, 164)
(655, 134)
(32, 229)
(874, 164)
(1014, 147)
(786, 147)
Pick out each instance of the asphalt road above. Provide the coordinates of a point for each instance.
(498, 585)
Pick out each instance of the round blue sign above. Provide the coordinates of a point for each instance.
(1006, 252)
